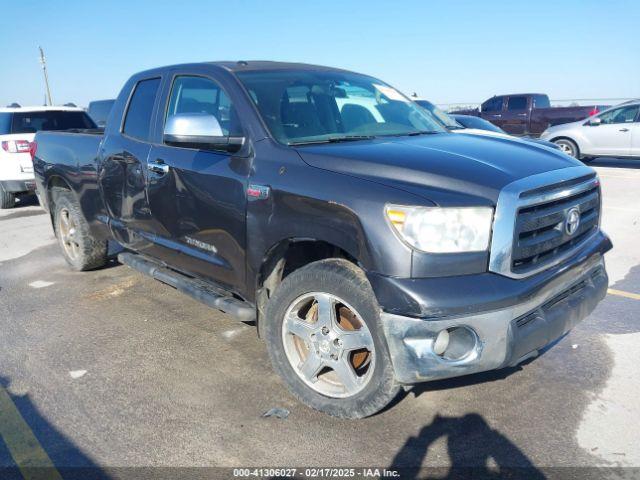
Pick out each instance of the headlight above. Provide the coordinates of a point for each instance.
(442, 230)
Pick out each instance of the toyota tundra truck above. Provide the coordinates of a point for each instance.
(372, 249)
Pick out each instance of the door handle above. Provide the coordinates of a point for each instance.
(497, 115)
(624, 129)
(158, 167)
(522, 114)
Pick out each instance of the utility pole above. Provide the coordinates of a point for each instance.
(43, 61)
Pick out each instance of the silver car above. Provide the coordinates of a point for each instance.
(612, 133)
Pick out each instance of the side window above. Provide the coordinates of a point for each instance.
(492, 105)
(517, 103)
(138, 120)
(541, 101)
(201, 95)
(620, 115)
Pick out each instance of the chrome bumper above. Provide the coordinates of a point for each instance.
(501, 338)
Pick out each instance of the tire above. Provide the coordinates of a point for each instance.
(356, 309)
(568, 146)
(7, 199)
(79, 248)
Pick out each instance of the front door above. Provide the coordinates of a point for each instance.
(491, 110)
(198, 196)
(613, 135)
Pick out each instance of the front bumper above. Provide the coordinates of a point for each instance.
(18, 186)
(499, 337)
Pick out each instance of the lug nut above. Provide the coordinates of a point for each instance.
(334, 356)
(337, 342)
(325, 331)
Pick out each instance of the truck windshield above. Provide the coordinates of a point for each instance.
(304, 106)
(31, 122)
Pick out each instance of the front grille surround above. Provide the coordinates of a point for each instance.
(528, 230)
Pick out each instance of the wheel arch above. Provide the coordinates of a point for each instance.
(571, 139)
(288, 255)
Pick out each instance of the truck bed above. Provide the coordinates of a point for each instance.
(69, 155)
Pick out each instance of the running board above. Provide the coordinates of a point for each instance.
(197, 289)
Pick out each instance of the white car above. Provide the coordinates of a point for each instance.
(612, 133)
(18, 127)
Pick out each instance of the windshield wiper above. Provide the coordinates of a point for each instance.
(347, 138)
(412, 134)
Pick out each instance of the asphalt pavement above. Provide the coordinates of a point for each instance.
(110, 369)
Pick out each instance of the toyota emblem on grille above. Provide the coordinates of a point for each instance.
(572, 221)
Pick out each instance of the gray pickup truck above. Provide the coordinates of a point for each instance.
(372, 248)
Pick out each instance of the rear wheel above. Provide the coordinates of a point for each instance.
(568, 146)
(7, 199)
(80, 249)
(324, 337)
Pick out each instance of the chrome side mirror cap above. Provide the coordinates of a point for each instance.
(199, 131)
(595, 121)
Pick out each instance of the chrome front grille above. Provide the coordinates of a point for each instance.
(540, 233)
(531, 230)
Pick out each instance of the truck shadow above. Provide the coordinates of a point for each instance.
(475, 451)
(68, 459)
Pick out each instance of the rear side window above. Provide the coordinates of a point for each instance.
(31, 122)
(517, 103)
(137, 123)
(541, 101)
(5, 123)
(492, 105)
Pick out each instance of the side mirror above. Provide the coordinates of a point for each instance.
(199, 130)
(595, 121)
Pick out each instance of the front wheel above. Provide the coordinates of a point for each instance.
(568, 146)
(324, 337)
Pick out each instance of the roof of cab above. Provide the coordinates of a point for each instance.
(244, 66)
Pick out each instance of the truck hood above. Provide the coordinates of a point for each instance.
(445, 168)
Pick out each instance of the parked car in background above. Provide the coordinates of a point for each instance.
(18, 126)
(612, 133)
(372, 250)
(528, 114)
(473, 125)
(99, 111)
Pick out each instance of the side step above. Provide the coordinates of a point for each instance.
(198, 289)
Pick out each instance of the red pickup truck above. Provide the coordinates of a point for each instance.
(529, 114)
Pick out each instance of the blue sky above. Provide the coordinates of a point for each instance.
(447, 51)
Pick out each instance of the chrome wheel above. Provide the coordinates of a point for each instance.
(566, 147)
(328, 344)
(68, 231)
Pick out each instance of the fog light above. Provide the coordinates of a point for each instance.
(441, 342)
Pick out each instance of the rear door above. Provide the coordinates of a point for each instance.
(516, 114)
(122, 170)
(491, 110)
(199, 200)
(614, 135)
